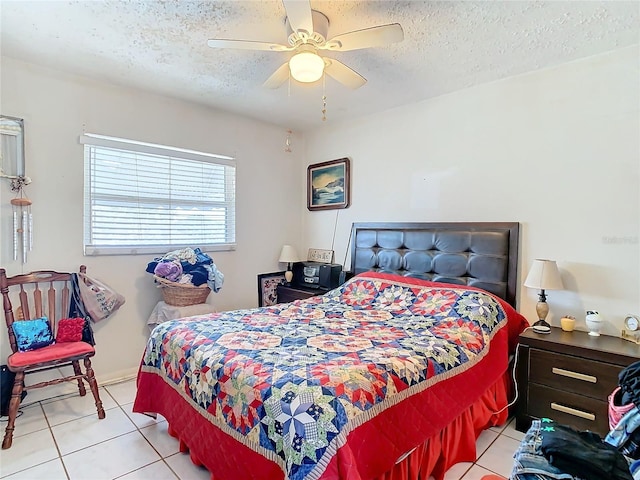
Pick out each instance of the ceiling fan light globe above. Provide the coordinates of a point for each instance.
(306, 67)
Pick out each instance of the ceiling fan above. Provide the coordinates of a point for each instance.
(307, 34)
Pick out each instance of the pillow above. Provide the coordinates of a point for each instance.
(69, 330)
(32, 334)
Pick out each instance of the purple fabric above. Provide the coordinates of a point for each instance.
(169, 270)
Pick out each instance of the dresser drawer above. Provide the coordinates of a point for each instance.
(568, 376)
(581, 412)
(573, 374)
(288, 294)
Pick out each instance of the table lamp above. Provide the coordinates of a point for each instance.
(288, 255)
(543, 275)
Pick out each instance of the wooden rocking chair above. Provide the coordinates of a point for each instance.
(56, 306)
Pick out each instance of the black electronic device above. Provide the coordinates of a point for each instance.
(316, 274)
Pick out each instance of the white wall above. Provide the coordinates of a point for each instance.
(57, 108)
(557, 150)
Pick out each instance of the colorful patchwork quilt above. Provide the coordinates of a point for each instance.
(296, 383)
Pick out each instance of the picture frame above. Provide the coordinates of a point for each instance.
(329, 185)
(267, 285)
(12, 163)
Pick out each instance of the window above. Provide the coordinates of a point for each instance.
(146, 198)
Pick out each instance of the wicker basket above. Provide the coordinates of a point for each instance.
(182, 294)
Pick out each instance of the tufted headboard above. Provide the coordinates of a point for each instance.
(479, 254)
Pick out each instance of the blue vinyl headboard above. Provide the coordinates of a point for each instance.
(478, 254)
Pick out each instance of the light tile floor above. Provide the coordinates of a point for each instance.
(63, 439)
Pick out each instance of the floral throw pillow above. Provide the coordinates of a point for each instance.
(32, 334)
(69, 330)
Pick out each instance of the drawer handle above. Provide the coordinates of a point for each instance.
(572, 411)
(576, 375)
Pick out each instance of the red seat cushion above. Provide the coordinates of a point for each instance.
(57, 351)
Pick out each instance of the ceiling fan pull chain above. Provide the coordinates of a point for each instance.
(324, 108)
(324, 98)
(287, 142)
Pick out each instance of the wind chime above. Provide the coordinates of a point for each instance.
(22, 219)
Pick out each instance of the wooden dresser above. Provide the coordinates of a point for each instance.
(567, 376)
(289, 293)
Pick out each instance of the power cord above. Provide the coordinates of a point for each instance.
(513, 376)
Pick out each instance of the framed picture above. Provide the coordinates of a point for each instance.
(267, 284)
(329, 185)
(12, 144)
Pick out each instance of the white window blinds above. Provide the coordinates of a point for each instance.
(146, 198)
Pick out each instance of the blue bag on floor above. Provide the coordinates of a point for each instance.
(7, 378)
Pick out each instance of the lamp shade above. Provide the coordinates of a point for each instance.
(544, 275)
(288, 254)
(306, 67)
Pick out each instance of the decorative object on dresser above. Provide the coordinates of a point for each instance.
(631, 331)
(567, 376)
(543, 275)
(267, 283)
(328, 185)
(568, 323)
(594, 323)
(289, 256)
(320, 255)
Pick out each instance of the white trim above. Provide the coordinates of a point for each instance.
(153, 149)
(90, 250)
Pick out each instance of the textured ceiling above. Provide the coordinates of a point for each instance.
(450, 45)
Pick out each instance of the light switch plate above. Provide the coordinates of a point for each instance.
(320, 255)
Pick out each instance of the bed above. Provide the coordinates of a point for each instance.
(392, 375)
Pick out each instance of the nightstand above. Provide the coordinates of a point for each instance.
(289, 293)
(567, 376)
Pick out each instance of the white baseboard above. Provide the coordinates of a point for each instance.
(117, 377)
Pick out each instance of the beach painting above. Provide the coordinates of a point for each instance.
(328, 185)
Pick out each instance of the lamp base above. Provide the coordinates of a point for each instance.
(541, 327)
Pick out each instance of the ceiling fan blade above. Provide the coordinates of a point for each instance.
(247, 45)
(369, 37)
(343, 74)
(278, 77)
(299, 15)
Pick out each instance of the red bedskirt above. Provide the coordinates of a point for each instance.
(455, 443)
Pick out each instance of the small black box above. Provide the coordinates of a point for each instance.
(316, 275)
